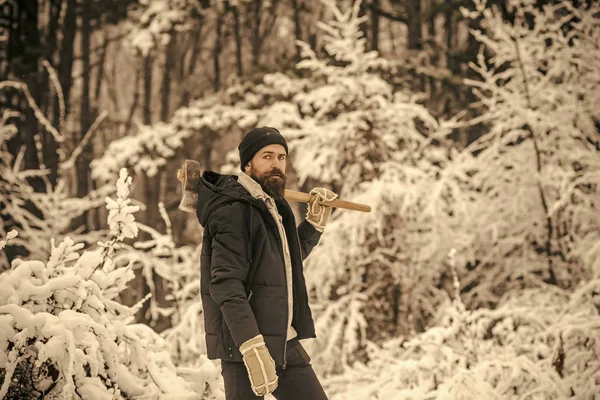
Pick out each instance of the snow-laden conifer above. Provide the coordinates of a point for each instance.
(64, 335)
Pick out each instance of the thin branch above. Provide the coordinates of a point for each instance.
(40, 156)
(59, 93)
(388, 15)
(71, 161)
(19, 159)
(38, 113)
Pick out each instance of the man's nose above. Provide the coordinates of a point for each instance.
(278, 164)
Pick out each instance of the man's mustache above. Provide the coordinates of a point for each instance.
(277, 173)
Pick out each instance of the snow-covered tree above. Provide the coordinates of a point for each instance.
(39, 216)
(153, 22)
(538, 90)
(65, 336)
(539, 344)
(534, 178)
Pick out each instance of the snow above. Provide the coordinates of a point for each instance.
(56, 312)
(494, 330)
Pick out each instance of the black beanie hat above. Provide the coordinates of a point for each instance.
(257, 138)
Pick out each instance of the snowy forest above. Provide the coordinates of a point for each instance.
(471, 127)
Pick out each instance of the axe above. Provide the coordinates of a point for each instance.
(189, 176)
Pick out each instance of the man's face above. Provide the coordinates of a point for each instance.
(267, 167)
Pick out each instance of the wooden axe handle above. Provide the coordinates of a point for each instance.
(302, 197)
(305, 198)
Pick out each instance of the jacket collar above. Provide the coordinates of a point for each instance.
(252, 187)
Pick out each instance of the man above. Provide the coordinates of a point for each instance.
(252, 283)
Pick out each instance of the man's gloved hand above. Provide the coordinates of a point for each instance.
(318, 214)
(260, 366)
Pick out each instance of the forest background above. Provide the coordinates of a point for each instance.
(470, 127)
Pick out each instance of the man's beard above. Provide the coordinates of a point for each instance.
(274, 187)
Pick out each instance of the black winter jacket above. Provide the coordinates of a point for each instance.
(242, 280)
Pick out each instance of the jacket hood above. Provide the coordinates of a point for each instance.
(215, 190)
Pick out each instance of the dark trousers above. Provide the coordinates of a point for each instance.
(296, 382)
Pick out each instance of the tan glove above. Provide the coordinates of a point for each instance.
(318, 214)
(260, 366)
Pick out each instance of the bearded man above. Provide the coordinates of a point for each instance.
(252, 281)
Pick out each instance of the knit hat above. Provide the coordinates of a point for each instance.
(256, 139)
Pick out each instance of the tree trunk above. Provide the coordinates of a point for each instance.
(392, 37)
(183, 46)
(139, 285)
(256, 36)
(195, 49)
(297, 26)
(155, 189)
(414, 24)
(375, 26)
(147, 90)
(50, 102)
(141, 288)
(238, 41)
(209, 137)
(23, 52)
(135, 101)
(97, 222)
(431, 15)
(86, 156)
(66, 55)
(217, 52)
(26, 51)
(191, 66)
(165, 91)
(449, 29)
(100, 73)
(433, 60)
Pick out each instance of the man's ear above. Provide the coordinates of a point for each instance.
(247, 168)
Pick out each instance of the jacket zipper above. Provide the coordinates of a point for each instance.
(285, 349)
(287, 317)
(282, 250)
(250, 295)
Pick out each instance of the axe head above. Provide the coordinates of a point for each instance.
(189, 176)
